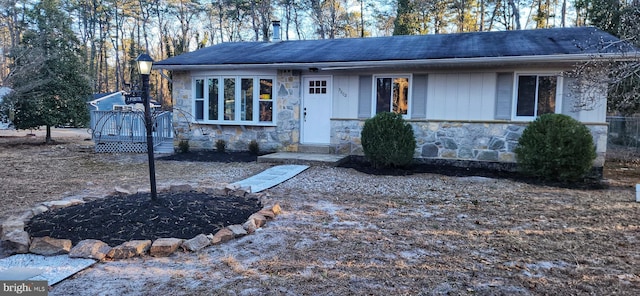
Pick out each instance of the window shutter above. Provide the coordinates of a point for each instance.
(364, 98)
(504, 96)
(419, 108)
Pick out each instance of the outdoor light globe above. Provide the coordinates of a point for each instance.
(144, 64)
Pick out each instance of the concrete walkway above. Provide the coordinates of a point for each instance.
(310, 159)
(52, 269)
(271, 177)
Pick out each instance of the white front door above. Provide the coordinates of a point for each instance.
(316, 109)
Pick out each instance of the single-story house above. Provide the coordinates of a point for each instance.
(468, 96)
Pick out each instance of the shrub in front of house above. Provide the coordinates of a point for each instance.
(221, 146)
(254, 147)
(183, 146)
(556, 147)
(388, 141)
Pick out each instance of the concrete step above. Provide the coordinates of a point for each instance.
(314, 148)
(165, 148)
(310, 159)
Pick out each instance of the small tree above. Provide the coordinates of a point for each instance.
(388, 140)
(556, 147)
(47, 74)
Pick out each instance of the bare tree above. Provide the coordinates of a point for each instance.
(12, 26)
(318, 17)
(265, 9)
(515, 10)
(186, 11)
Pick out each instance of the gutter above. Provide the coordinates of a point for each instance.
(412, 63)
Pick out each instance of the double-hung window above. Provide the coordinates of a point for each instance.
(391, 94)
(536, 95)
(234, 100)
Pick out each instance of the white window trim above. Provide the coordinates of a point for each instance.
(237, 103)
(374, 100)
(514, 96)
(194, 99)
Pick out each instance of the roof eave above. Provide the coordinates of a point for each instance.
(477, 61)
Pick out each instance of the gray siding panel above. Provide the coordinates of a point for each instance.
(504, 96)
(365, 97)
(419, 108)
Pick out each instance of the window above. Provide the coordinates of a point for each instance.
(318, 87)
(265, 102)
(246, 95)
(536, 95)
(213, 99)
(229, 99)
(199, 114)
(233, 100)
(392, 94)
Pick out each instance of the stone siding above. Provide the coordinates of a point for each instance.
(284, 136)
(450, 140)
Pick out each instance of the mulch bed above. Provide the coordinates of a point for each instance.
(213, 156)
(118, 219)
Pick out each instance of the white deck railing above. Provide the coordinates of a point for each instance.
(128, 126)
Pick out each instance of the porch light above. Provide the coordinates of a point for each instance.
(144, 64)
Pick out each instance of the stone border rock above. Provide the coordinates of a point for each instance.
(15, 240)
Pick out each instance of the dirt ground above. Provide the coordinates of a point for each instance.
(343, 232)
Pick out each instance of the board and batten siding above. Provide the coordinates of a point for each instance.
(461, 96)
(345, 96)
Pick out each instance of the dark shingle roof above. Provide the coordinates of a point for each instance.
(541, 42)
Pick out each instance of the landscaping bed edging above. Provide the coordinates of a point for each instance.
(15, 240)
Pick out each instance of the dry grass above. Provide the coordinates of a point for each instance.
(459, 237)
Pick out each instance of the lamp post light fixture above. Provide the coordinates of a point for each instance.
(145, 62)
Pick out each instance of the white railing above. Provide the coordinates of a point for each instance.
(128, 126)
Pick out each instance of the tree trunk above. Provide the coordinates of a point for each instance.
(564, 14)
(516, 14)
(256, 31)
(47, 138)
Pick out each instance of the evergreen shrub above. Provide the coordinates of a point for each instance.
(556, 147)
(254, 147)
(388, 141)
(221, 146)
(183, 146)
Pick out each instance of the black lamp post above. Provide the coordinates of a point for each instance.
(144, 68)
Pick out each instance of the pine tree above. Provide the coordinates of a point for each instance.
(47, 76)
(406, 22)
